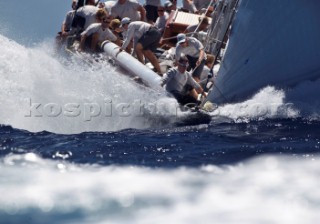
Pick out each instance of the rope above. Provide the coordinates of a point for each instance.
(174, 37)
(214, 27)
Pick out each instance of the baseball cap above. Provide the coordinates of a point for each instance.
(125, 20)
(181, 38)
(168, 4)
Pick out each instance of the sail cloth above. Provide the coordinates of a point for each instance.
(272, 42)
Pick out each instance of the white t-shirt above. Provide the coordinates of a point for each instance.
(193, 49)
(135, 30)
(161, 22)
(128, 9)
(89, 13)
(109, 5)
(104, 34)
(176, 81)
(68, 20)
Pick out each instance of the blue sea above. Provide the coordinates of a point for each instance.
(82, 143)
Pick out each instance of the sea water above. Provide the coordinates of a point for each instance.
(83, 143)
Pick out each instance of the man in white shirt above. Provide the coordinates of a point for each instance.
(145, 40)
(85, 16)
(128, 8)
(193, 49)
(162, 19)
(96, 33)
(180, 83)
(66, 25)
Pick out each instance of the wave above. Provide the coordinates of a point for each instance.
(41, 92)
(266, 189)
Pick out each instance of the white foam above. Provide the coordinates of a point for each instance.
(39, 92)
(267, 103)
(264, 190)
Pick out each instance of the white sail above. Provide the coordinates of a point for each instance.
(272, 42)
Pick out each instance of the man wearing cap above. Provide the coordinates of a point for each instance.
(145, 40)
(180, 83)
(193, 49)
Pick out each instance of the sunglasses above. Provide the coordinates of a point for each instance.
(183, 64)
(160, 10)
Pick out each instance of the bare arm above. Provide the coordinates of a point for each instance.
(201, 56)
(142, 12)
(82, 41)
(63, 28)
(201, 91)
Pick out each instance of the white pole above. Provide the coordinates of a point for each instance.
(132, 65)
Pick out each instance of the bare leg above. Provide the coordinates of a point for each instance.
(139, 51)
(194, 94)
(196, 79)
(153, 59)
(94, 42)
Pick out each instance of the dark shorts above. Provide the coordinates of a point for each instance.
(183, 99)
(151, 12)
(150, 40)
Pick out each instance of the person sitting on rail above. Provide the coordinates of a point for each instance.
(194, 51)
(180, 84)
(145, 40)
(96, 33)
(66, 26)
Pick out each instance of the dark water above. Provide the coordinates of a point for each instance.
(191, 146)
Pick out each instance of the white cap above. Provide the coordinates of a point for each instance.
(125, 20)
(181, 38)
